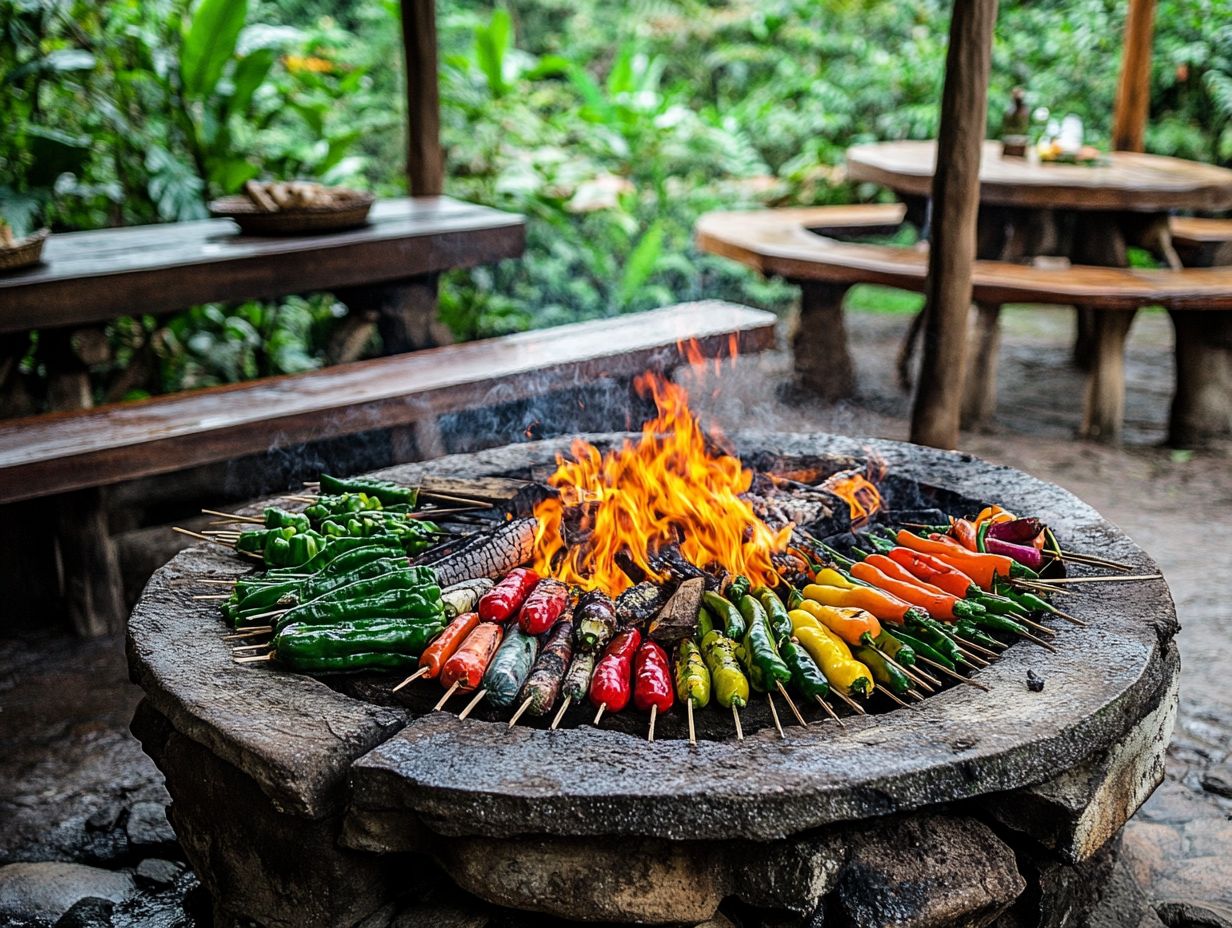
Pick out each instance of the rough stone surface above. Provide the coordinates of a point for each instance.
(793, 874)
(645, 881)
(91, 912)
(927, 870)
(147, 827)
(475, 776)
(291, 733)
(155, 872)
(48, 889)
(280, 870)
(1078, 811)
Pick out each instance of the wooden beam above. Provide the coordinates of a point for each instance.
(425, 162)
(1133, 97)
(956, 199)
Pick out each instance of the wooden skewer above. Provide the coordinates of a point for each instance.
(517, 715)
(977, 662)
(896, 699)
(270, 614)
(444, 699)
(415, 676)
(1040, 586)
(475, 700)
(252, 660)
(830, 712)
(941, 668)
(1068, 618)
(1031, 623)
(1116, 579)
(200, 596)
(476, 503)
(251, 647)
(930, 684)
(249, 633)
(560, 713)
(1040, 641)
(976, 648)
(916, 695)
(736, 719)
(599, 714)
(215, 582)
(918, 680)
(791, 705)
(774, 714)
(301, 499)
(220, 533)
(654, 711)
(851, 703)
(688, 708)
(1088, 558)
(234, 516)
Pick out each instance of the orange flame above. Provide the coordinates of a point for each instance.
(668, 487)
(860, 494)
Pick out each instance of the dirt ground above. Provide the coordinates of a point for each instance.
(72, 780)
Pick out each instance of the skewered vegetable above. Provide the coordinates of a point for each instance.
(895, 648)
(443, 648)
(493, 557)
(851, 625)
(388, 493)
(928, 569)
(776, 612)
(726, 614)
(982, 568)
(333, 549)
(758, 653)
(610, 686)
(543, 607)
(467, 664)
(884, 672)
(884, 606)
(400, 594)
(937, 603)
(577, 681)
(543, 684)
(594, 620)
(729, 684)
(692, 677)
(652, 678)
(297, 642)
(502, 602)
(464, 597)
(921, 648)
(510, 667)
(806, 676)
(841, 670)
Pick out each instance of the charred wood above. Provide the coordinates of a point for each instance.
(678, 619)
(492, 556)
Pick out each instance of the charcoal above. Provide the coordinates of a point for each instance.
(639, 604)
(668, 559)
(630, 568)
(490, 556)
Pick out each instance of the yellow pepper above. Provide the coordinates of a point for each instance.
(844, 672)
(849, 624)
(828, 576)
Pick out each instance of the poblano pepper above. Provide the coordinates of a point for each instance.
(387, 492)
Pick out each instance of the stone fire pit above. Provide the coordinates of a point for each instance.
(306, 802)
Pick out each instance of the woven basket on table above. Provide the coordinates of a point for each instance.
(351, 211)
(28, 251)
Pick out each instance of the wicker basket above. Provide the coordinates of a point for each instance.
(352, 211)
(27, 252)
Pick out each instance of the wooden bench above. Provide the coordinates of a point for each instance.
(71, 452)
(784, 243)
(1202, 242)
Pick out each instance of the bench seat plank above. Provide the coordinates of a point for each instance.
(92, 277)
(780, 243)
(57, 452)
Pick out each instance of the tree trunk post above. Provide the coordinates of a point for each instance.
(956, 199)
(1133, 98)
(425, 163)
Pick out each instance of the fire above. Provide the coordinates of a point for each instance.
(668, 487)
(860, 493)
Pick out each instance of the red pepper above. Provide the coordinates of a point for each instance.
(503, 600)
(443, 648)
(966, 533)
(543, 607)
(611, 682)
(652, 678)
(468, 663)
(896, 571)
(933, 571)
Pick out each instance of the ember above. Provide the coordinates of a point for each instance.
(857, 489)
(671, 487)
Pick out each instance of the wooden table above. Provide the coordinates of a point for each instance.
(1089, 215)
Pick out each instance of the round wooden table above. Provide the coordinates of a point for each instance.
(1089, 215)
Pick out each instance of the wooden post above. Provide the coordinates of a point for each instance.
(1133, 99)
(425, 163)
(956, 200)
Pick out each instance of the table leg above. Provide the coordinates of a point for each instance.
(1202, 403)
(88, 565)
(983, 350)
(405, 310)
(819, 344)
(1099, 239)
(1105, 401)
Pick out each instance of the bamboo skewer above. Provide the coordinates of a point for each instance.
(830, 712)
(774, 714)
(975, 648)
(250, 633)
(1031, 623)
(518, 714)
(449, 692)
(941, 668)
(475, 700)
(415, 676)
(791, 705)
(1040, 641)
(252, 660)
(234, 516)
(1115, 579)
(250, 647)
(1092, 559)
(688, 707)
(654, 711)
(851, 703)
(201, 596)
(736, 719)
(1041, 586)
(599, 714)
(560, 713)
(1067, 617)
(215, 582)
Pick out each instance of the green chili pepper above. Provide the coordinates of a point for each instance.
(293, 592)
(898, 650)
(388, 493)
(806, 676)
(883, 671)
(928, 631)
(705, 623)
(922, 649)
(731, 686)
(981, 534)
(726, 614)
(356, 637)
(999, 623)
(332, 549)
(692, 676)
(281, 518)
(1027, 602)
(998, 605)
(368, 660)
(776, 612)
(738, 587)
(391, 604)
(761, 657)
(973, 632)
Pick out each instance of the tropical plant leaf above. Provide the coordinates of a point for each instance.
(641, 262)
(210, 40)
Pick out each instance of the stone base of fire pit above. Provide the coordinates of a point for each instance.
(298, 804)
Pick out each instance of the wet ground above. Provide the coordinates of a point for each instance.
(75, 786)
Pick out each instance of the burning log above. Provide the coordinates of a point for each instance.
(492, 557)
(678, 619)
(639, 604)
(669, 559)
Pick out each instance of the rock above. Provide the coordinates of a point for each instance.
(1122, 903)
(147, 826)
(927, 870)
(793, 874)
(90, 912)
(592, 879)
(105, 817)
(1218, 780)
(1193, 913)
(441, 915)
(49, 889)
(1076, 812)
(154, 872)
